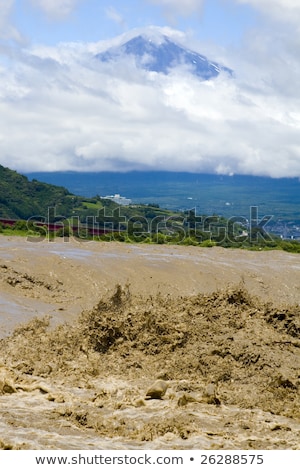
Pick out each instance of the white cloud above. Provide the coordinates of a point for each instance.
(60, 109)
(175, 8)
(56, 9)
(113, 15)
(7, 30)
(281, 10)
(5, 12)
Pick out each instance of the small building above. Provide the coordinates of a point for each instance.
(123, 201)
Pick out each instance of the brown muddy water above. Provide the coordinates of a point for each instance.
(87, 329)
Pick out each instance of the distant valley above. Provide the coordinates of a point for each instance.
(228, 196)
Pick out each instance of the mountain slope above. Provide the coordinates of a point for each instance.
(21, 198)
(163, 56)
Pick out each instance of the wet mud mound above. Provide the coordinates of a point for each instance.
(147, 369)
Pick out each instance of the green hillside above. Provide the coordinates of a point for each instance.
(21, 198)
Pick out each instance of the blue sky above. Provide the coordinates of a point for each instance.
(60, 110)
(221, 21)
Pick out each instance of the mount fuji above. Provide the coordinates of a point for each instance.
(161, 54)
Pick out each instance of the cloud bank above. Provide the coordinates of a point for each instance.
(61, 109)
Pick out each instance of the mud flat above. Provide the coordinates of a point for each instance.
(88, 328)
